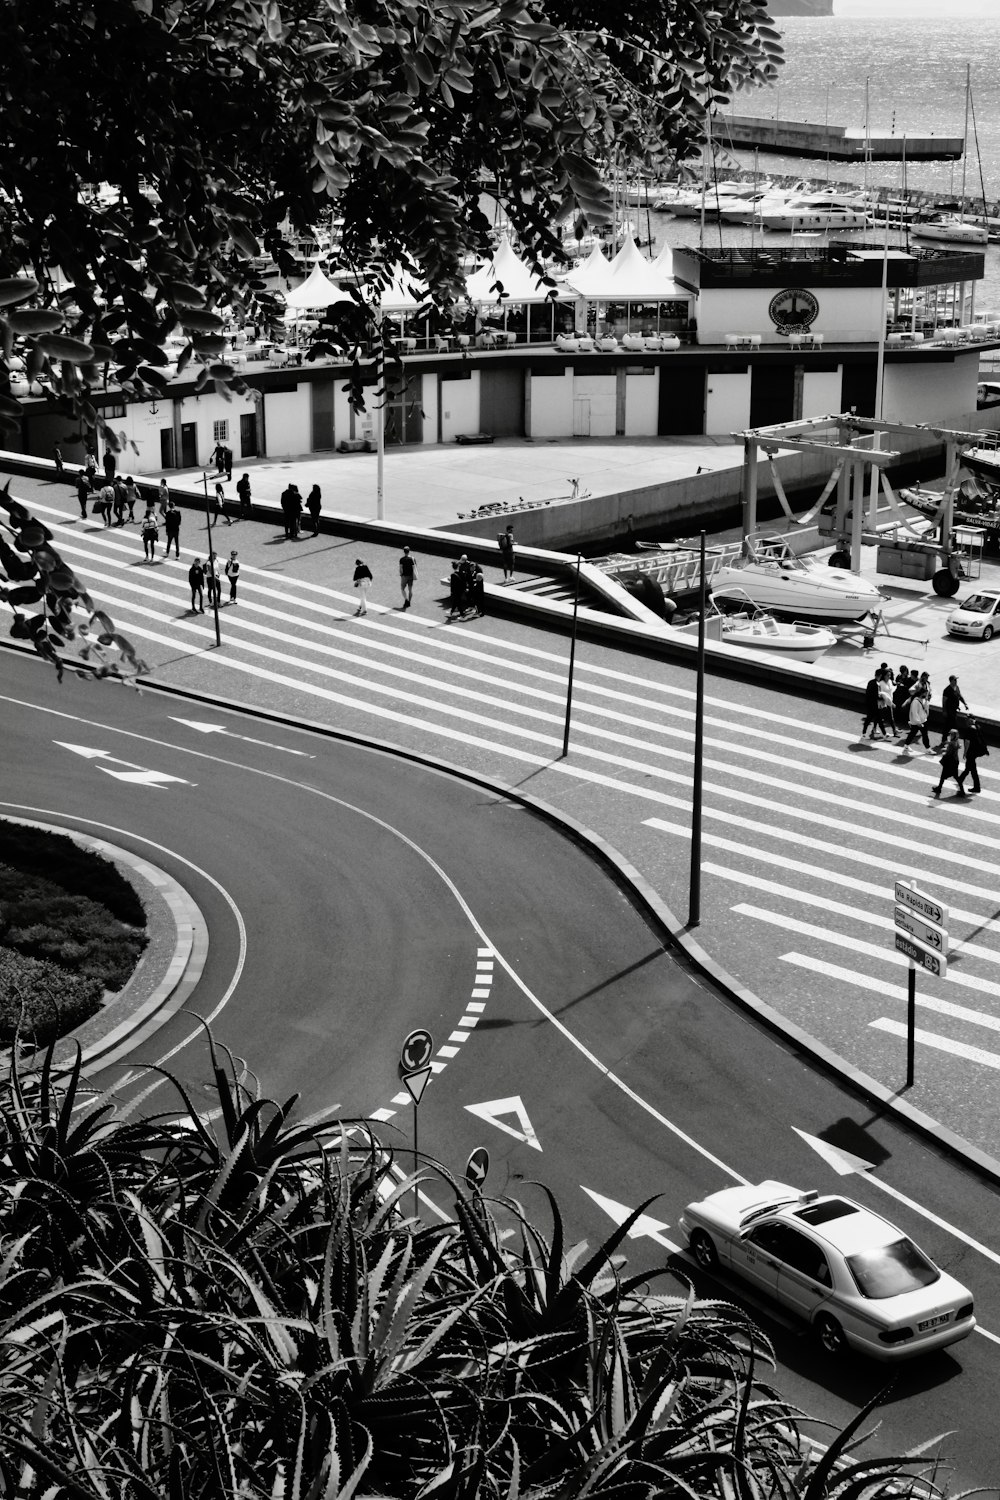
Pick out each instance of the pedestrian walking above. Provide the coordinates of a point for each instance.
(219, 458)
(227, 463)
(219, 503)
(477, 590)
(287, 503)
(196, 578)
(131, 496)
(363, 581)
(57, 459)
(233, 574)
(119, 501)
(951, 701)
(106, 503)
(82, 492)
(975, 748)
(949, 763)
(213, 580)
(885, 703)
(90, 466)
(150, 534)
(162, 496)
(505, 541)
(901, 699)
(314, 504)
(917, 715)
(407, 576)
(110, 465)
(172, 527)
(295, 508)
(455, 591)
(873, 709)
(243, 490)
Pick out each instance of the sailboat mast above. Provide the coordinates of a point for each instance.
(965, 134)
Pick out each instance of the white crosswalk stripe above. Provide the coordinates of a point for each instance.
(803, 830)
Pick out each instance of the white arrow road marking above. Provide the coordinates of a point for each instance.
(204, 728)
(133, 772)
(511, 1106)
(844, 1163)
(645, 1226)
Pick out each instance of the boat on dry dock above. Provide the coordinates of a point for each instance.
(772, 577)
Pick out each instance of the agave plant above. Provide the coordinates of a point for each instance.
(240, 1308)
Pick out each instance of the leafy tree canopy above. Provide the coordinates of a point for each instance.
(219, 124)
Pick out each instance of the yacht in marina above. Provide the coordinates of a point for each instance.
(825, 210)
(950, 228)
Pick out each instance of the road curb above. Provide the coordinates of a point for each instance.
(660, 915)
(189, 944)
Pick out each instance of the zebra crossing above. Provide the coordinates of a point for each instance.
(804, 831)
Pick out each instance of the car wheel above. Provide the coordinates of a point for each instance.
(704, 1251)
(988, 633)
(831, 1335)
(839, 560)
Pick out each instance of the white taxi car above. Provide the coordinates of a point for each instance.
(846, 1271)
(979, 615)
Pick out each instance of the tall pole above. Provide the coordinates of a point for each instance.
(572, 660)
(211, 560)
(379, 418)
(694, 906)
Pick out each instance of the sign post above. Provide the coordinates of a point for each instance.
(923, 936)
(415, 1070)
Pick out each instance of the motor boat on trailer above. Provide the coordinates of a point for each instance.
(757, 630)
(771, 576)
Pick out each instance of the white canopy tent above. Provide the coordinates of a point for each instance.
(507, 290)
(629, 279)
(317, 291)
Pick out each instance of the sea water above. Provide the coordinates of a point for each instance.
(915, 71)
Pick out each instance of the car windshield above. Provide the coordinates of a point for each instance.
(891, 1270)
(979, 604)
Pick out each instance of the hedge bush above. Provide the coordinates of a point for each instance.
(37, 851)
(42, 1001)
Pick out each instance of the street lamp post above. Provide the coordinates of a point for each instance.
(379, 419)
(572, 660)
(211, 561)
(694, 905)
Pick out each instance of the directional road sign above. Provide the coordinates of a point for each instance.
(416, 1053)
(935, 937)
(476, 1168)
(935, 963)
(919, 901)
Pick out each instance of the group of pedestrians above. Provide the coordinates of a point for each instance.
(292, 507)
(467, 589)
(898, 704)
(205, 578)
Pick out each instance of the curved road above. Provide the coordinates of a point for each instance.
(351, 896)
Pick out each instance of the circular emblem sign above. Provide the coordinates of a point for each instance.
(416, 1051)
(793, 310)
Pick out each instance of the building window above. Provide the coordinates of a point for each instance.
(220, 432)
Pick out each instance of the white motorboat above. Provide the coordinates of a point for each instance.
(757, 630)
(773, 578)
(951, 229)
(812, 211)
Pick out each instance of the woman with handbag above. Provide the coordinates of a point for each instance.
(918, 715)
(949, 764)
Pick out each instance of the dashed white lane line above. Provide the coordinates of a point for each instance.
(450, 1050)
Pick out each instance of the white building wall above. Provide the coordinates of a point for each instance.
(459, 409)
(930, 392)
(821, 391)
(727, 402)
(429, 403)
(287, 422)
(550, 410)
(642, 404)
(847, 315)
(601, 393)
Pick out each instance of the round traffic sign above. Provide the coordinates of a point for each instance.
(476, 1168)
(416, 1051)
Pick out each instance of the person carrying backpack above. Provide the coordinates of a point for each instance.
(233, 574)
(150, 533)
(505, 541)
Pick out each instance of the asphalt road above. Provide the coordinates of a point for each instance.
(352, 896)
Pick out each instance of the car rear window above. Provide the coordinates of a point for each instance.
(822, 1213)
(891, 1270)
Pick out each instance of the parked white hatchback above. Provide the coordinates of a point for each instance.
(977, 616)
(849, 1273)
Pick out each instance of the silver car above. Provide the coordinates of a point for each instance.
(858, 1281)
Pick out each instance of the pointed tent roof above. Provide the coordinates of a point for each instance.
(594, 269)
(665, 261)
(316, 291)
(506, 270)
(629, 278)
(403, 294)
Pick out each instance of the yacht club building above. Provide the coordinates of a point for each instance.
(697, 342)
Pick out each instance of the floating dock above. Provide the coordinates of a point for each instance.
(835, 142)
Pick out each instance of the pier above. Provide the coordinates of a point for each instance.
(836, 142)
